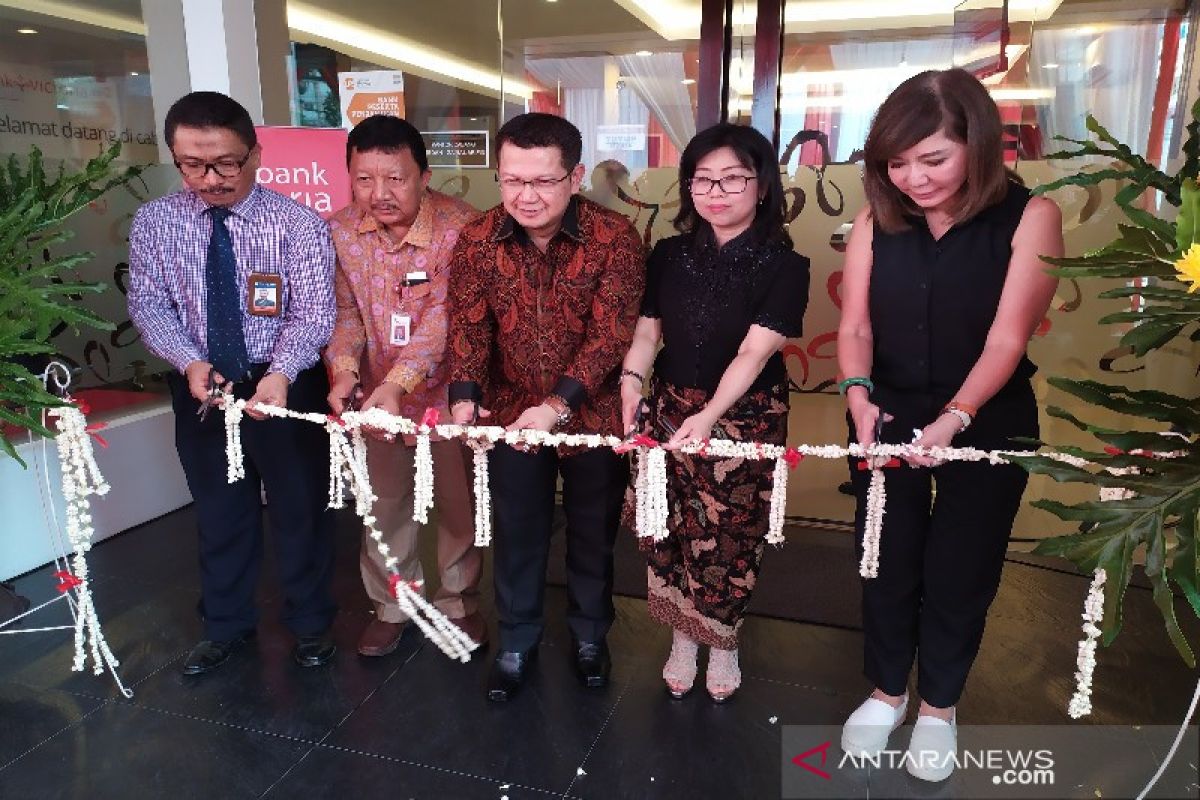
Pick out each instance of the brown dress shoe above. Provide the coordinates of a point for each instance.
(380, 638)
(474, 626)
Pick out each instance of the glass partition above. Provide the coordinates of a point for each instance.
(71, 88)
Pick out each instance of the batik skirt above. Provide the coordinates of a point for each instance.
(701, 576)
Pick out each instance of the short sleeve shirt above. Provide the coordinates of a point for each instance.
(708, 297)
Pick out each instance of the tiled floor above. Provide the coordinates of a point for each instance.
(415, 724)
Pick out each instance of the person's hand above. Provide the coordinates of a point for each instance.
(387, 397)
(463, 412)
(631, 398)
(197, 379)
(339, 391)
(696, 427)
(272, 390)
(539, 418)
(936, 434)
(866, 416)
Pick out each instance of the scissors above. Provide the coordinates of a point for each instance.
(879, 426)
(214, 394)
(353, 401)
(640, 417)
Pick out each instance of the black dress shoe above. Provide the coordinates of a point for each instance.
(313, 651)
(508, 673)
(209, 654)
(592, 663)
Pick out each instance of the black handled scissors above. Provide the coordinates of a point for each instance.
(214, 394)
(353, 401)
(879, 426)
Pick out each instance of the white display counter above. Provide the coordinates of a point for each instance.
(139, 463)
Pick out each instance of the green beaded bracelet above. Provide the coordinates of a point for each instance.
(866, 383)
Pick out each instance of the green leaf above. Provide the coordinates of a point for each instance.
(1186, 232)
(1163, 597)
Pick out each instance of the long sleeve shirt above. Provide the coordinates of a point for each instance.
(271, 234)
(379, 280)
(525, 324)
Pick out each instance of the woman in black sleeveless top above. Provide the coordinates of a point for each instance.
(722, 297)
(943, 286)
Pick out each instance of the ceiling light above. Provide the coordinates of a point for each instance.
(680, 19)
(357, 39)
(134, 74)
(26, 30)
(643, 53)
(688, 81)
(1049, 66)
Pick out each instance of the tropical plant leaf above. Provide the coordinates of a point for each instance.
(38, 288)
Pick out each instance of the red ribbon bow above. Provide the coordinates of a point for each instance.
(394, 583)
(892, 463)
(66, 581)
(336, 420)
(430, 420)
(641, 440)
(97, 426)
(82, 405)
(793, 457)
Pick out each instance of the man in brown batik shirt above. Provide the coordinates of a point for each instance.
(542, 309)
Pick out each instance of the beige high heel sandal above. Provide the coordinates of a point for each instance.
(679, 672)
(724, 676)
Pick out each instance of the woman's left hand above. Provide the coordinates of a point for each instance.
(938, 433)
(693, 429)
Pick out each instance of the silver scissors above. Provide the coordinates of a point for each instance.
(214, 394)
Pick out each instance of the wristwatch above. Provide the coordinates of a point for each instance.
(560, 407)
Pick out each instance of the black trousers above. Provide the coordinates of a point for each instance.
(291, 459)
(523, 499)
(940, 557)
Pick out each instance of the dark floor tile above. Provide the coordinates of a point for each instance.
(538, 739)
(822, 658)
(122, 751)
(146, 628)
(1031, 642)
(657, 747)
(261, 688)
(31, 716)
(334, 772)
(1181, 778)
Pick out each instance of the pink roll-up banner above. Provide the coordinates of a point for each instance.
(307, 165)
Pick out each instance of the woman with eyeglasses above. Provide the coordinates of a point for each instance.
(722, 298)
(944, 284)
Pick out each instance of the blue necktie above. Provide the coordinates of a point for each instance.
(226, 340)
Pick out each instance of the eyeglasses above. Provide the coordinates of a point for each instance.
(224, 167)
(730, 184)
(540, 185)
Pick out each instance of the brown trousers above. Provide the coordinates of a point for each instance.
(459, 561)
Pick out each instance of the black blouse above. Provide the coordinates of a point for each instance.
(707, 299)
(933, 300)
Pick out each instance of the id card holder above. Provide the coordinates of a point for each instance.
(265, 295)
(401, 329)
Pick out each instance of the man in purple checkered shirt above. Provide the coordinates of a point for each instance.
(227, 272)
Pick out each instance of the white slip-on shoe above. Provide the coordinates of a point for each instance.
(867, 730)
(932, 749)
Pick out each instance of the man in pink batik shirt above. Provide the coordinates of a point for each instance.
(393, 245)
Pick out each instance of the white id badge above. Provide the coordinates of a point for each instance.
(401, 328)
